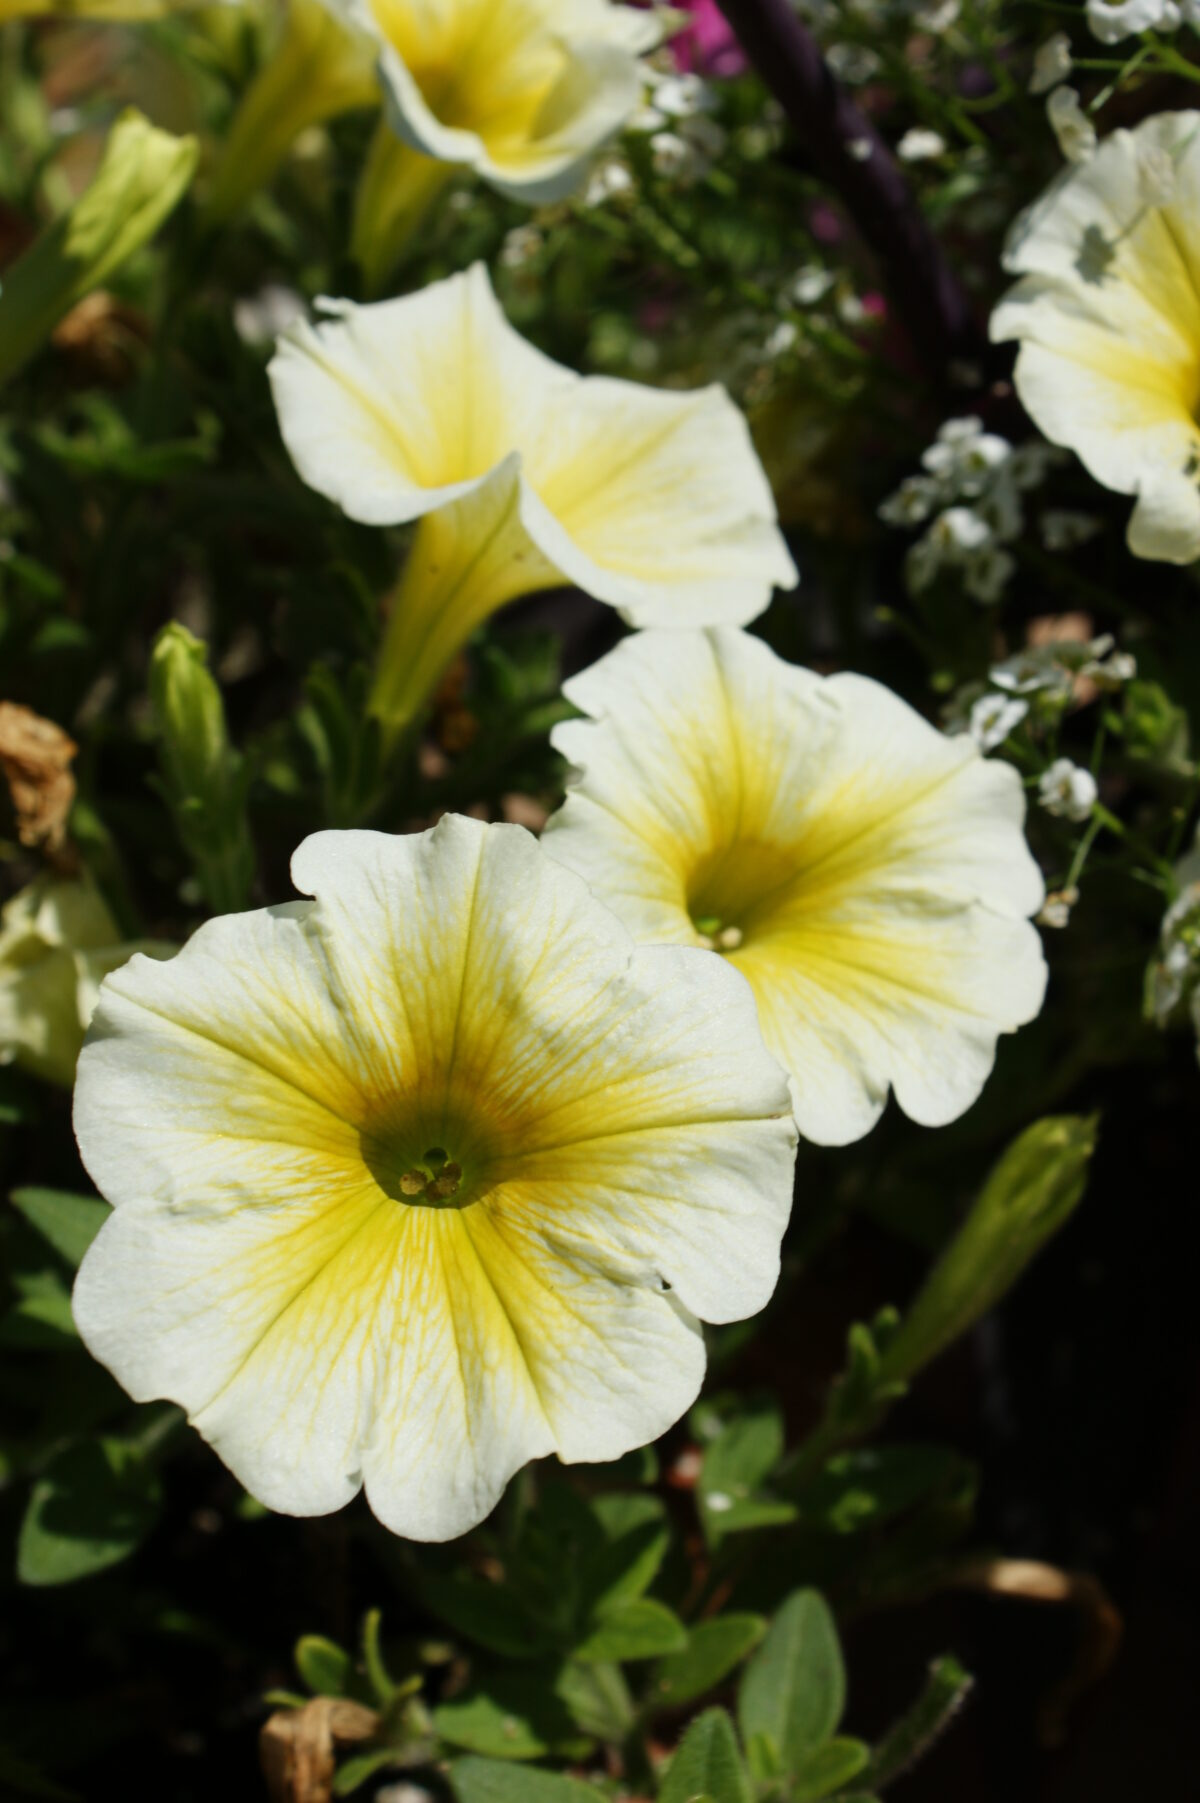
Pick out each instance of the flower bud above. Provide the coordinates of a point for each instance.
(142, 177)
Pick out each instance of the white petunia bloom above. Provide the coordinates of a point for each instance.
(1106, 318)
(523, 475)
(427, 1177)
(866, 874)
(1067, 790)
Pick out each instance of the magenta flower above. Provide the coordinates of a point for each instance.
(708, 45)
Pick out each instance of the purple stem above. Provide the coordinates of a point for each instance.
(927, 295)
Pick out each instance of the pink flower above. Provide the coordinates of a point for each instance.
(708, 45)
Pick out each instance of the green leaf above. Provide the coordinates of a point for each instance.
(512, 1715)
(638, 1629)
(65, 1221)
(865, 1488)
(597, 1699)
(707, 1764)
(360, 1767)
(945, 1692)
(624, 1568)
(830, 1768)
(491, 1615)
(92, 1507)
(324, 1666)
(41, 1315)
(1030, 1193)
(713, 1650)
(794, 1689)
(491, 1781)
(742, 1456)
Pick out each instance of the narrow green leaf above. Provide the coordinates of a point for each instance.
(625, 1568)
(65, 1221)
(794, 1689)
(92, 1506)
(707, 1764)
(945, 1692)
(638, 1629)
(491, 1781)
(830, 1768)
(323, 1666)
(361, 1766)
(714, 1649)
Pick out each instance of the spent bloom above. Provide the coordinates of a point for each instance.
(523, 475)
(58, 942)
(428, 1176)
(1109, 332)
(1068, 790)
(867, 875)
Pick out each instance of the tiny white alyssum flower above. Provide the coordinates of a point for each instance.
(867, 874)
(1067, 790)
(427, 1177)
(993, 718)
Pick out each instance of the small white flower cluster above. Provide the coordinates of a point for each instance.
(1112, 20)
(685, 140)
(1173, 980)
(1071, 126)
(1042, 677)
(970, 490)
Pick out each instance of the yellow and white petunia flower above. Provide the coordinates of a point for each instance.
(58, 942)
(523, 475)
(521, 93)
(1108, 324)
(426, 1177)
(866, 874)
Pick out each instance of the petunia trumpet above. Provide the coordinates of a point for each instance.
(522, 474)
(867, 875)
(425, 1177)
(1106, 317)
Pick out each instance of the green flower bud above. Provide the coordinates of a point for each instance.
(190, 715)
(143, 175)
(1028, 1196)
(204, 778)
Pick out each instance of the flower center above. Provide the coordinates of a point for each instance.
(733, 889)
(430, 1178)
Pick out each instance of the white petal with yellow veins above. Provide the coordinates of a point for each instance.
(866, 875)
(426, 1177)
